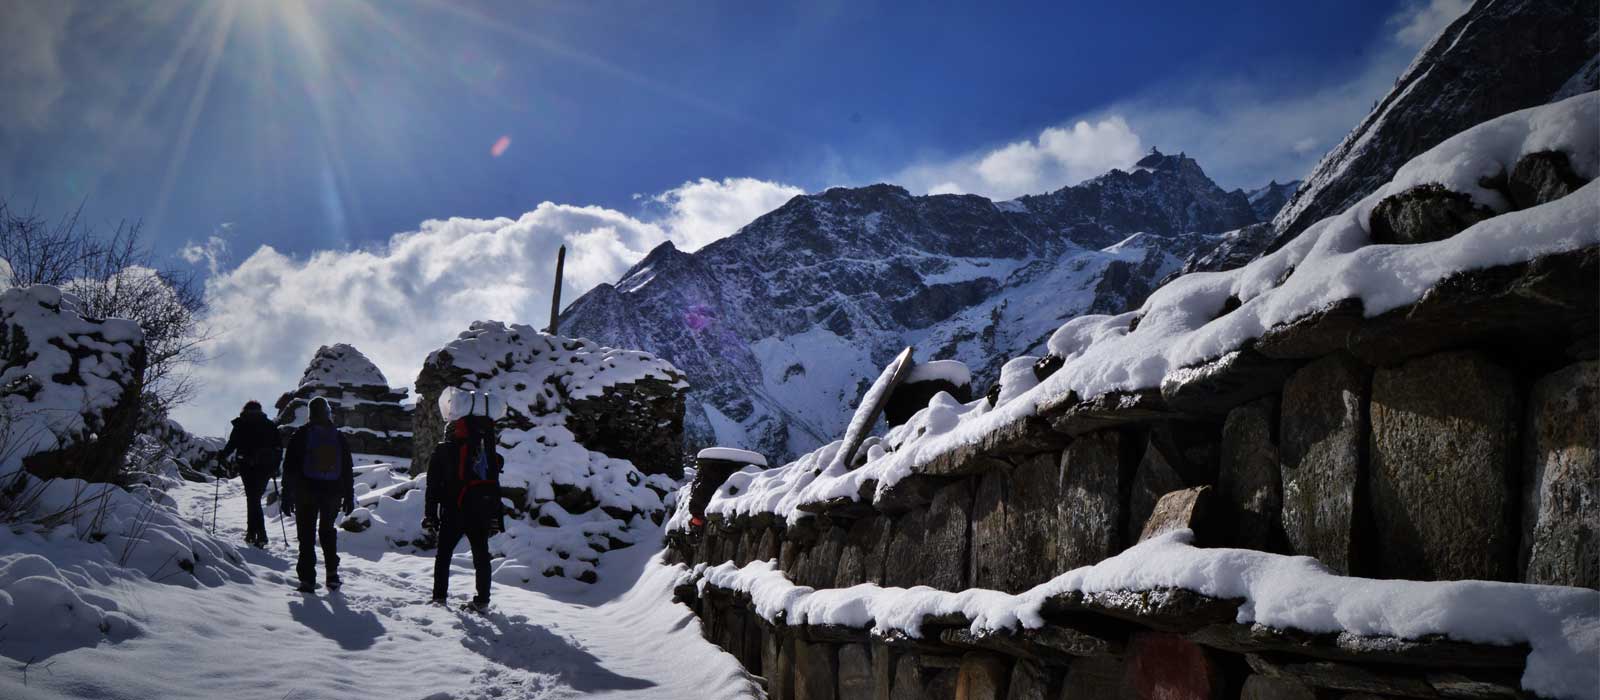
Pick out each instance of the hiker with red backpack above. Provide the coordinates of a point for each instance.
(463, 494)
(318, 482)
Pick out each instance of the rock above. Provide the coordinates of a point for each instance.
(1442, 454)
(855, 672)
(1423, 214)
(822, 564)
(1427, 651)
(922, 383)
(1186, 508)
(1090, 510)
(1259, 687)
(908, 683)
(639, 421)
(1546, 310)
(1029, 681)
(1218, 385)
(944, 543)
(1249, 485)
(781, 673)
(982, 677)
(1378, 679)
(1014, 534)
(905, 560)
(1166, 609)
(1541, 177)
(815, 668)
(1097, 677)
(1561, 479)
(1323, 424)
(861, 560)
(1153, 479)
(1164, 665)
(70, 386)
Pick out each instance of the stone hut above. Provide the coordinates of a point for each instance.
(373, 416)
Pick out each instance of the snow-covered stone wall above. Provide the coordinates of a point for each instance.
(590, 437)
(69, 386)
(372, 416)
(1366, 462)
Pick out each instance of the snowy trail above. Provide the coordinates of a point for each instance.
(379, 637)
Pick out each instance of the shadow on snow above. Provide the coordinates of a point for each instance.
(515, 643)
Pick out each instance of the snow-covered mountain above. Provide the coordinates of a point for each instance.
(1497, 57)
(781, 324)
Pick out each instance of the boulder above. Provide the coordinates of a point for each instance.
(69, 386)
(1541, 177)
(815, 668)
(855, 672)
(982, 677)
(1090, 510)
(1323, 423)
(1249, 483)
(1183, 509)
(1423, 214)
(1561, 479)
(1442, 455)
(1153, 479)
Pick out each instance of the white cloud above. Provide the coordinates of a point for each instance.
(402, 299)
(213, 252)
(1058, 156)
(1242, 133)
(1419, 23)
(704, 210)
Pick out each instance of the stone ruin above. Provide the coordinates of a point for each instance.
(69, 386)
(372, 415)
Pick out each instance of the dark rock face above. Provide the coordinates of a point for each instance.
(641, 422)
(815, 667)
(1015, 540)
(1323, 429)
(1444, 432)
(1153, 479)
(1496, 58)
(982, 677)
(1091, 505)
(1250, 484)
(848, 277)
(1561, 479)
(1542, 177)
(1423, 214)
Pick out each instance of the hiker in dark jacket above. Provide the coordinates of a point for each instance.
(255, 440)
(318, 481)
(463, 498)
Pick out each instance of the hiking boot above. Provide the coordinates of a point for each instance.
(476, 605)
(439, 600)
(307, 587)
(334, 583)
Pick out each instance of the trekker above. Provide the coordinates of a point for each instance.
(318, 481)
(255, 440)
(463, 496)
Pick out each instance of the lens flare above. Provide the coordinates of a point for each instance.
(500, 146)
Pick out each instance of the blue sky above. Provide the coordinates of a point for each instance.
(294, 149)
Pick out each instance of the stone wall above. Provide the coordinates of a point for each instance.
(1451, 439)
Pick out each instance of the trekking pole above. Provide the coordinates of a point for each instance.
(216, 495)
(281, 527)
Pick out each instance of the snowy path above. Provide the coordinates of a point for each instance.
(379, 637)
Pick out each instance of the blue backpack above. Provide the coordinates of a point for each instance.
(324, 459)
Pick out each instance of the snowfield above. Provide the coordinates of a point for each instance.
(75, 625)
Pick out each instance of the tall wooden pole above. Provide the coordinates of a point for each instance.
(555, 297)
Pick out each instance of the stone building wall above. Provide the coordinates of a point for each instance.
(1451, 439)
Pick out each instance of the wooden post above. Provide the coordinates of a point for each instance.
(555, 296)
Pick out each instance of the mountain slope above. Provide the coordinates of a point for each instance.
(780, 325)
(1498, 57)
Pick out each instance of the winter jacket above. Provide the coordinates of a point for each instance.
(452, 491)
(294, 459)
(252, 430)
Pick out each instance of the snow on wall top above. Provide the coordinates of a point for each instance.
(341, 365)
(1179, 325)
(42, 407)
(1283, 592)
(583, 368)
